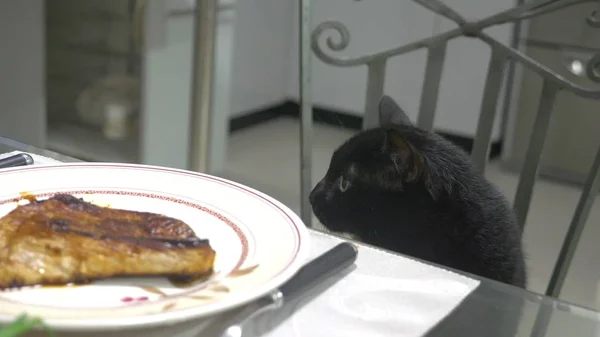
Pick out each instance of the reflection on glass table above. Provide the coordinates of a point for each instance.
(493, 309)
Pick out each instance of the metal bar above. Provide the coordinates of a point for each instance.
(546, 73)
(559, 46)
(511, 90)
(523, 11)
(351, 62)
(187, 12)
(534, 151)
(442, 9)
(431, 85)
(202, 83)
(305, 113)
(487, 115)
(551, 6)
(375, 84)
(542, 320)
(586, 201)
(132, 54)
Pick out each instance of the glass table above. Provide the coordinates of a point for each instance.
(492, 310)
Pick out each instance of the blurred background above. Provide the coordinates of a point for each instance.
(111, 80)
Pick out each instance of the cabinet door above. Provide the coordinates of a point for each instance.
(573, 137)
(166, 81)
(167, 84)
(22, 96)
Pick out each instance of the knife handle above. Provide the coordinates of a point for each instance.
(20, 159)
(319, 269)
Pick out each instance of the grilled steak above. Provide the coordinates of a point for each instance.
(64, 240)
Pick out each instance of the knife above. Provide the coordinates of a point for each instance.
(20, 159)
(313, 273)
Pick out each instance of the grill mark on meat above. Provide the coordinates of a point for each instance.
(63, 240)
(153, 243)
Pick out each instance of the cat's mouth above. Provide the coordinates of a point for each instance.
(329, 225)
(342, 233)
(327, 218)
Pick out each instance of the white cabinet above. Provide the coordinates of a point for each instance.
(572, 139)
(22, 93)
(164, 71)
(167, 79)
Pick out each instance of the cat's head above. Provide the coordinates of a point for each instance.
(396, 161)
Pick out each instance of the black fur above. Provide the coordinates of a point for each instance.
(413, 192)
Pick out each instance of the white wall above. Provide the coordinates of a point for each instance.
(465, 70)
(373, 26)
(168, 79)
(260, 68)
(166, 84)
(22, 94)
(381, 25)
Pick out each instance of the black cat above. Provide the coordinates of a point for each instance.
(411, 191)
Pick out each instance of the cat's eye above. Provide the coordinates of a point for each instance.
(344, 184)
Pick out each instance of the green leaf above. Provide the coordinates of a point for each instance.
(23, 324)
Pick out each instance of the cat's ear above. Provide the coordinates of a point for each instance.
(405, 155)
(391, 114)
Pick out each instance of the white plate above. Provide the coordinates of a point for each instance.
(260, 244)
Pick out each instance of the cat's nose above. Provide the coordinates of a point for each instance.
(315, 191)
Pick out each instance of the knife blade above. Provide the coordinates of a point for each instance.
(313, 273)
